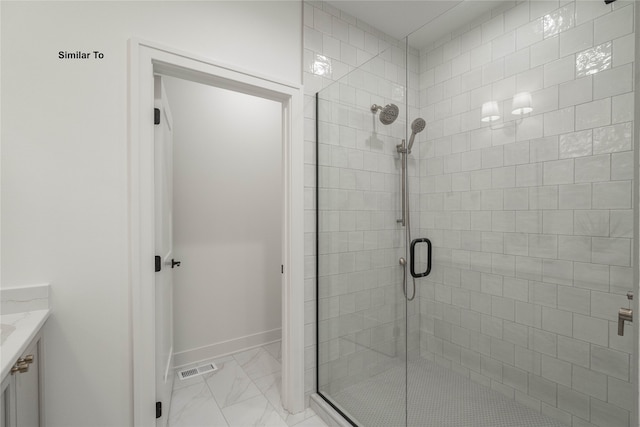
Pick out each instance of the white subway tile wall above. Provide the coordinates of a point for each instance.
(531, 222)
(542, 247)
(361, 305)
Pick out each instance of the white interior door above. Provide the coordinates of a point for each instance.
(163, 175)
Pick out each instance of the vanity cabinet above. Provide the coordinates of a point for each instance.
(22, 389)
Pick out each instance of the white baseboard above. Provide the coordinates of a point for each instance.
(224, 348)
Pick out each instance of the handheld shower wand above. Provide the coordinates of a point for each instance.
(417, 126)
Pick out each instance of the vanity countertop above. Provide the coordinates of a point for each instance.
(17, 332)
(24, 311)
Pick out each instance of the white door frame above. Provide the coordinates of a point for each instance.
(145, 59)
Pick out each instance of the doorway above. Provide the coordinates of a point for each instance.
(227, 220)
(146, 60)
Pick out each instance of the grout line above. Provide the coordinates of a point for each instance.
(216, 402)
(261, 392)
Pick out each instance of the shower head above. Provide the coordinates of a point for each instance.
(417, 126)
(388, 113)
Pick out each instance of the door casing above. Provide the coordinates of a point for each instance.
(163, 287)
(149, 58)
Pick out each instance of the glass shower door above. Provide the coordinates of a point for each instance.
(531, 218)
(361, 308)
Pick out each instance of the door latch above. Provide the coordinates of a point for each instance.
(174, 263)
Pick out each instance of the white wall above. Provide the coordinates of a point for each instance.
(64, 169)
(227, 219)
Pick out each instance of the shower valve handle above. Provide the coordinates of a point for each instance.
(624, 314)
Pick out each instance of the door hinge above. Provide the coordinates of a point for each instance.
(158, 263)
(158, 409)
(156, 116)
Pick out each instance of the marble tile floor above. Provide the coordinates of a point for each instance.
(244, 391)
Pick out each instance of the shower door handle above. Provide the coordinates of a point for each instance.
(412, 257)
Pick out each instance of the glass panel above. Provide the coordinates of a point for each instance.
(361, 306)
(530, 216)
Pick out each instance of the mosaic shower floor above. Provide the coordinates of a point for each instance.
(438, 397)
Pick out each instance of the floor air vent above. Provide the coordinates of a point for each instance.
(194, 372)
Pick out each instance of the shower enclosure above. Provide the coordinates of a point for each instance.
(519, 204)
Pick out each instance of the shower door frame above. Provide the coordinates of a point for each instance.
(145, 59)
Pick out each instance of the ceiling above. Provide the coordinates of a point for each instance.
(400, 18)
